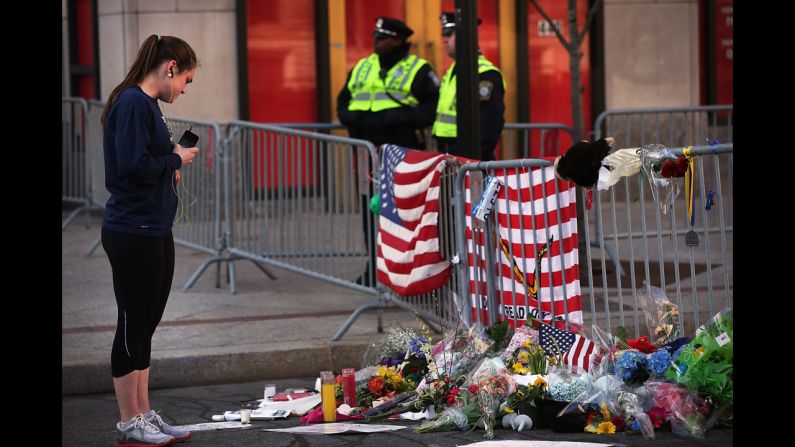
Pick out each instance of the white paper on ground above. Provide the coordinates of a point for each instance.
(539, 444)
(335, 428)
(259, 414)
(415, 416)
(299, 406)
(213, 426)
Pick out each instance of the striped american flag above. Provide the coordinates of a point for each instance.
(536, 218)
(409, 259)
(574, 349)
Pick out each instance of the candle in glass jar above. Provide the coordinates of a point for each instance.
(349, 386)
(328, 396)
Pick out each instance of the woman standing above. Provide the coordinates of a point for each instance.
(141, 172)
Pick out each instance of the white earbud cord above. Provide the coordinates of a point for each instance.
(182, 219)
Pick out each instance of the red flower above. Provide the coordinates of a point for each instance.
(618, 421)
(657, 416)
(455, 391)
(473, 388)
(642, 344)
(450, 400)
(668, 169)
(681, 166)
(376, 385)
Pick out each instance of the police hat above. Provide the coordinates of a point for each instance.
(448, 23)
(389, 27)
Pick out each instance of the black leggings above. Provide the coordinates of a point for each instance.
(143, 267)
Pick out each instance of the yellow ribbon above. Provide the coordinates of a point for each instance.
(689, 185)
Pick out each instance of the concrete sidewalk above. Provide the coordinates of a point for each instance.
(269, 329)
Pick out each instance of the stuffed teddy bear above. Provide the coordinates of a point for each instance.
(582, 161)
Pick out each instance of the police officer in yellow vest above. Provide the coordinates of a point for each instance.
(390, 96)
(491, 90)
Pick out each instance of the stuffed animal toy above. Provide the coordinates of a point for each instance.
(582, 161)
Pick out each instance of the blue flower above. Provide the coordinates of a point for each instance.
(635, 426)
(630, 364)
(659, 361)
(415, 347)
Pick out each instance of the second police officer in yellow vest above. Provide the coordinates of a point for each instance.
(491, 92)
(390, 96)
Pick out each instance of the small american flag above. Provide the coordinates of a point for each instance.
(409, 259)
(573, 348)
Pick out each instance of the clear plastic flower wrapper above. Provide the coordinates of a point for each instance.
(662, 316)
(664, 189)
(566, 382)
(464, 414)
(458, 354)
(686, 411)
(706, 364)
(631, 409)
(494, 384)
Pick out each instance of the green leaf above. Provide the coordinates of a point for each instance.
(621, 333)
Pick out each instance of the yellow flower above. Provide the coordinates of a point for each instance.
(590, 428)
(518, 368)
(541, 383)
(527, 343)
(606, 428)
(519, 394)
(508, 409)
(381, 371)
(524, 355)
(697, 353)
(605, 412)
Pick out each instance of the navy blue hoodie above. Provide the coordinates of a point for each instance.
(139, 166)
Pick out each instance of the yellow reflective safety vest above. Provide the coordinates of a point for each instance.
(445, 124)
(369, 92)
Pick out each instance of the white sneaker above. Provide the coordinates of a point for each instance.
(140, 432)
(157, 421)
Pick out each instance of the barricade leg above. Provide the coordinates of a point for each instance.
(93, 246)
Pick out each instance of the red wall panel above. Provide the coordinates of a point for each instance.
(360, 16)
(281, 61)
(550, 80)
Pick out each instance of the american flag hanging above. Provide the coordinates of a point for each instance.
(536, 219)
(409, 259)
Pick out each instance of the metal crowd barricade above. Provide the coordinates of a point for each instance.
(669, 126)
(96, 160)
(534, 140)
(75, 179)
(651, 246)
(198, 223)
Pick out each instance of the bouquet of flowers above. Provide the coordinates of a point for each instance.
(493, 386)
(528, 358)
(391, 349)
(386, 383)
(456, 354)
(662, 316)
(632, 367)
(706, 364)
(464, 415)
(685, 410)
(526, 396)
(521, 336)
(603, 422)
(656, 161)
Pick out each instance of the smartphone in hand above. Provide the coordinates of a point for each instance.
(189, 139)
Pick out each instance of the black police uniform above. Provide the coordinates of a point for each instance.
(403, 125)
(492, 106)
